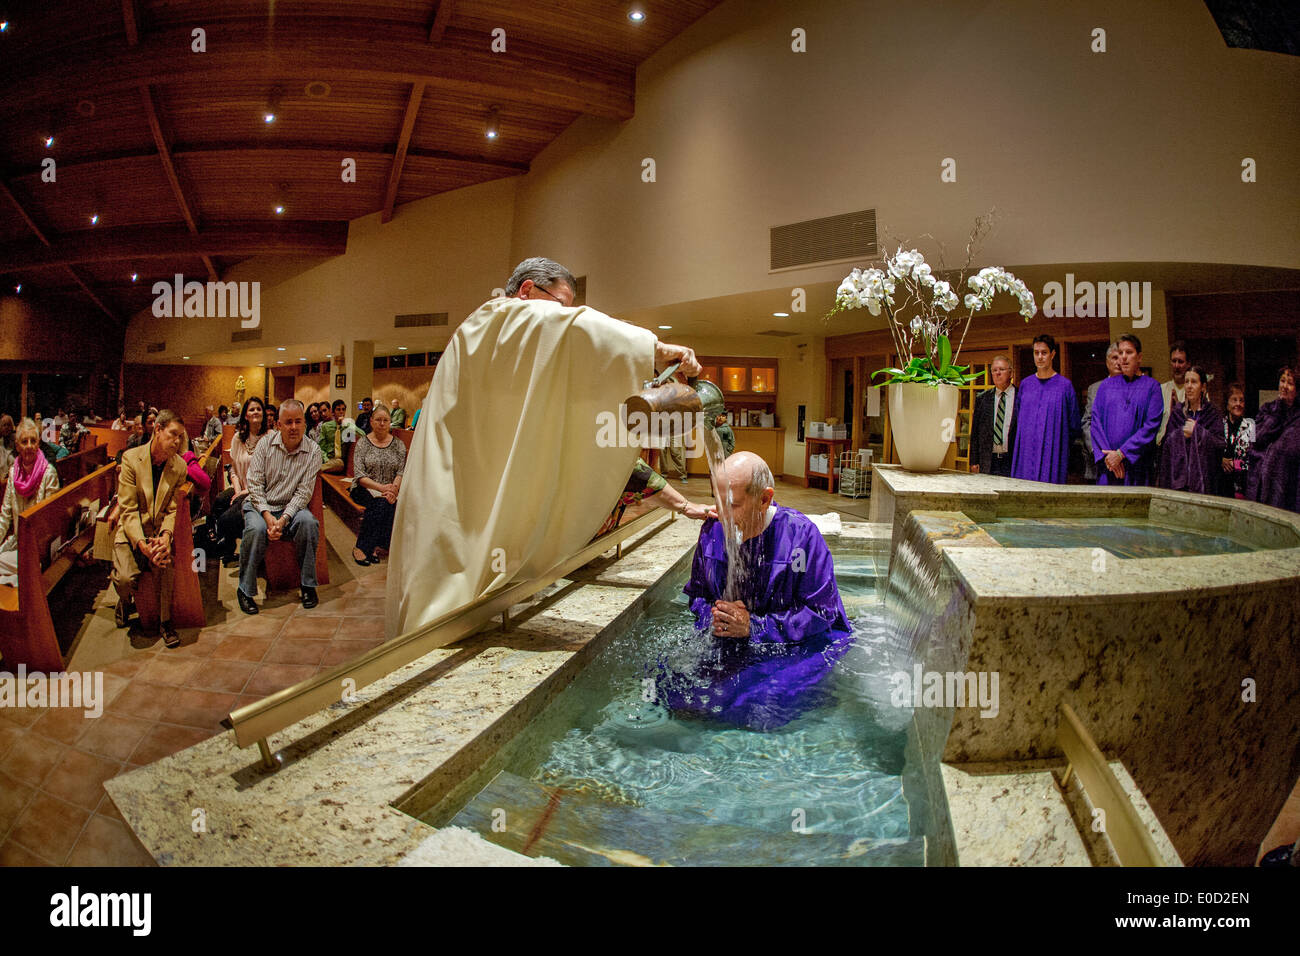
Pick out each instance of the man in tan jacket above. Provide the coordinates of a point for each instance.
(147, 484)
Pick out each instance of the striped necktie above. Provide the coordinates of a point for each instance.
(999, 419)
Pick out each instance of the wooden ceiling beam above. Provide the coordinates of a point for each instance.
(167, 242)
(85, 287)
(464, 65)
(403, 142)
(441, 19)
(131, 22)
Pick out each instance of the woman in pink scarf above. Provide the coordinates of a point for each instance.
(31, 479)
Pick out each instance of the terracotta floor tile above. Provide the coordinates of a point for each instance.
(296, 651)
(64, 724)
(32, 757)
(366, 605)
(114, 684)
(114, 735)
(79, 778)
(340, 651)
(226, 676)
(203, 709)
(21, 716)
(165, 669)
(197, 644)
(129, 667)
(241, 647)
(14, 796)
(257, 625)
(143, 699)
(312, 625)
(360, 629)
(11, 854)
(163, 740)
(268, 678)
(49, 827)
(107, 842)
(9, 734)
(107, 808)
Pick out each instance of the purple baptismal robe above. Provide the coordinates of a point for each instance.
(1193, 464)
(1048, 419)
(797, 624)
(1126, 416)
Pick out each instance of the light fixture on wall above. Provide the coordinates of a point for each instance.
(272, 106)
(492, 129)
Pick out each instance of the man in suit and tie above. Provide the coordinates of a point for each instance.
(150, 476)
(993, 426)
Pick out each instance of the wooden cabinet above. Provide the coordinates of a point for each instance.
(766, 443)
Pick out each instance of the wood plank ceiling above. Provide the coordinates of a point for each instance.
(171, 150)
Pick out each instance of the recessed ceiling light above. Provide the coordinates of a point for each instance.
(329, 354)
(94, 219)
(401, 348)
(4, 26)
(665, 326)
(268, 118)
(636, 14)
(48, 141)
(781, 315)
(261, 365)
(18, 289)
(135, 276)
(302, 358)
(279, 361)
(493, 128)
(186, 357)
(279, 209)
(280, 348)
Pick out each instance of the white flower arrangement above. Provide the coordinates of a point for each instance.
(907, 274)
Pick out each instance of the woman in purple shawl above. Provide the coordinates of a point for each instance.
(1194, 442)
(1274, 475)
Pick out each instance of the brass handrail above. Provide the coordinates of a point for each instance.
(255, 722)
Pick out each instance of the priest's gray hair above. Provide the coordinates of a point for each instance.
(544, 272)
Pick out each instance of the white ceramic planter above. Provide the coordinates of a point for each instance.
(924, 423)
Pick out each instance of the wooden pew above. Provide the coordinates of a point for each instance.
(26, 628)
(336, 486)
(114, 441)
(227, 435)
(77, 466)
(281, 561)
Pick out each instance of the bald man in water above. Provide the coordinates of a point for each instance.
(780, 633)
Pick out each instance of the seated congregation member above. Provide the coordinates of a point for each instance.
(1125, 419)
(51, 450)
(149, 477)
(1239, 433)
(397, 416)
(1191, 459)
(993, 425)
(212, 428)
(1049, 419)
(8, 438)
(143, 430)
(273, 418)
(230, 503)
(334, 434)
(281, 480)
(233, 417)
(776, 642)
(71, 434)
(32, 478)
(377, 462)
(121, 423)
(314, 421)
(1275, 459)
(363, 420)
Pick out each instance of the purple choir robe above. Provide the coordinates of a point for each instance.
(1193, 464)
(1274, 475)
(1048, 413)
(1126, 416)
(798, 628)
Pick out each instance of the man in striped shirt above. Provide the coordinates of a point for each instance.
(281, 478)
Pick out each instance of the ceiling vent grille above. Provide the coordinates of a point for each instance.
(850, 235)
(246, 335)
(156, 347)
(778, 333)
(419, 320)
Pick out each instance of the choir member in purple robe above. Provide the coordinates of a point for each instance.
(1274, 475)
(1192, 455)
(1049, 420)
(1126, 417)
(774, 643)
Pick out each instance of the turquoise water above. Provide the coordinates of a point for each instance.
(1123, 537)
(623, 774)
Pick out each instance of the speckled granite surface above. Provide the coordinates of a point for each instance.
(330, 803)
(1155, 654)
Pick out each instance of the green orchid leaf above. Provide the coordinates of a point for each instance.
(945, 352)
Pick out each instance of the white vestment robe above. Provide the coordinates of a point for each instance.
(505, 476)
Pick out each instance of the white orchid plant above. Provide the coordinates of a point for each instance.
(905, 283)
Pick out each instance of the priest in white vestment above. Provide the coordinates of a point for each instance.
(505, 476)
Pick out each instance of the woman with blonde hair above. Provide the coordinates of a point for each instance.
(31, 479)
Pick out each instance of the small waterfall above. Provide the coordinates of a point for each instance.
(912, 592)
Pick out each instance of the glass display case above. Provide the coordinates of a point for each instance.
(735, 378)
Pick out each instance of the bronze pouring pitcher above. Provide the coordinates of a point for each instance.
(663, 396)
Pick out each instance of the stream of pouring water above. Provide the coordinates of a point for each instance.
(737, 561)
